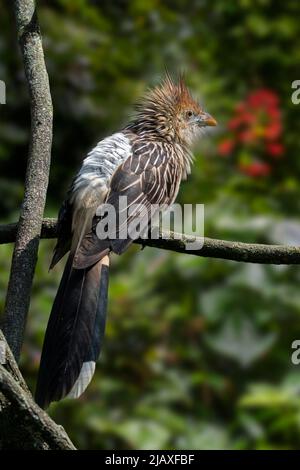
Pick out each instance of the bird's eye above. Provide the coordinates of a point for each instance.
(189, 114)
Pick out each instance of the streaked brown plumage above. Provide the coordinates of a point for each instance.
(145, 162)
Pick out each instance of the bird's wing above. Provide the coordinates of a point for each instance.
(89, 189)
(144, 183)
(64, 232)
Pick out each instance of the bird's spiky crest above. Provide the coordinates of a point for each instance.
(165, 98)
(158, 109)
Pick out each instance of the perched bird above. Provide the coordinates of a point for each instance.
(145, 161)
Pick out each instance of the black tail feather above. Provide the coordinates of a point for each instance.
(75, 332)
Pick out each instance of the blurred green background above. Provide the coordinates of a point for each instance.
(197, 352)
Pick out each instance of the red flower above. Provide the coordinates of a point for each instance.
(235, 123)
(248, 118)
(273, 131)
(275, 149)
(255, 169)
(274, 113)
(225, 147)
(243, 119)
(246, 136)
(255, 124)
(263, 98)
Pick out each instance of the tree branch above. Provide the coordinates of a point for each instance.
(23, 425)
(37, 173)
(10, 364)
(212, 248)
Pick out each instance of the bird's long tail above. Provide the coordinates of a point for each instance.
(75, 332)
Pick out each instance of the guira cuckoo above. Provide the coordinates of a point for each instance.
(146, 162)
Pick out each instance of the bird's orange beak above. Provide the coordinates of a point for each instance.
(208, 120)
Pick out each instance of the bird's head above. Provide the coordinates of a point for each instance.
(169, 111)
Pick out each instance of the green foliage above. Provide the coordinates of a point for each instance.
(197, 351)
